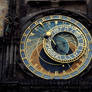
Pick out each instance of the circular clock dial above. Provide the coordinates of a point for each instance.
(60, 44)
(56, 47)
(64, 45)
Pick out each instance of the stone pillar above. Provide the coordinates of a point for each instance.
(89, 5)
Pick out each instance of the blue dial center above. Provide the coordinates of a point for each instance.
(60, 44)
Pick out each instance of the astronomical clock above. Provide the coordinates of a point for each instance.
(45, 45)
(56, 46)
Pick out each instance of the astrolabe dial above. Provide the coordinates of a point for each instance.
(66, 44)
(56, 47)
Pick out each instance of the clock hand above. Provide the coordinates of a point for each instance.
(53, 42)
(47, 35)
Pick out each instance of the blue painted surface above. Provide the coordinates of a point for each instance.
(68, 57)
(57, 77)
(59, 23)
(80, 41)
(39, 20)
(70, 29)
(33, 25)
(72, 56)
(67, 23)
(52, 24)
(46, 26)
(72, 20)
(62, 57)
(90, 52)
(63, 28)
(27, 31)
(38, 73)
(86, 62)
(74, 73)
(47, 18)
(80, 25)
(65, 77)
(90, 46)
(80, 47)
(22, 54)
(78, 51)
(40, 29)
(64, 17)
(37, 33)
(29, 43)
(89, 38)
(34, 37)
(47, 77)
(79, 37)
(85, 31)
(22, 46)
(73, 31)
(25, 61)
(23, 38)
(81, 68)
(31, 68)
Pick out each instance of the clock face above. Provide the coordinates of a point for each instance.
(56, 47)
